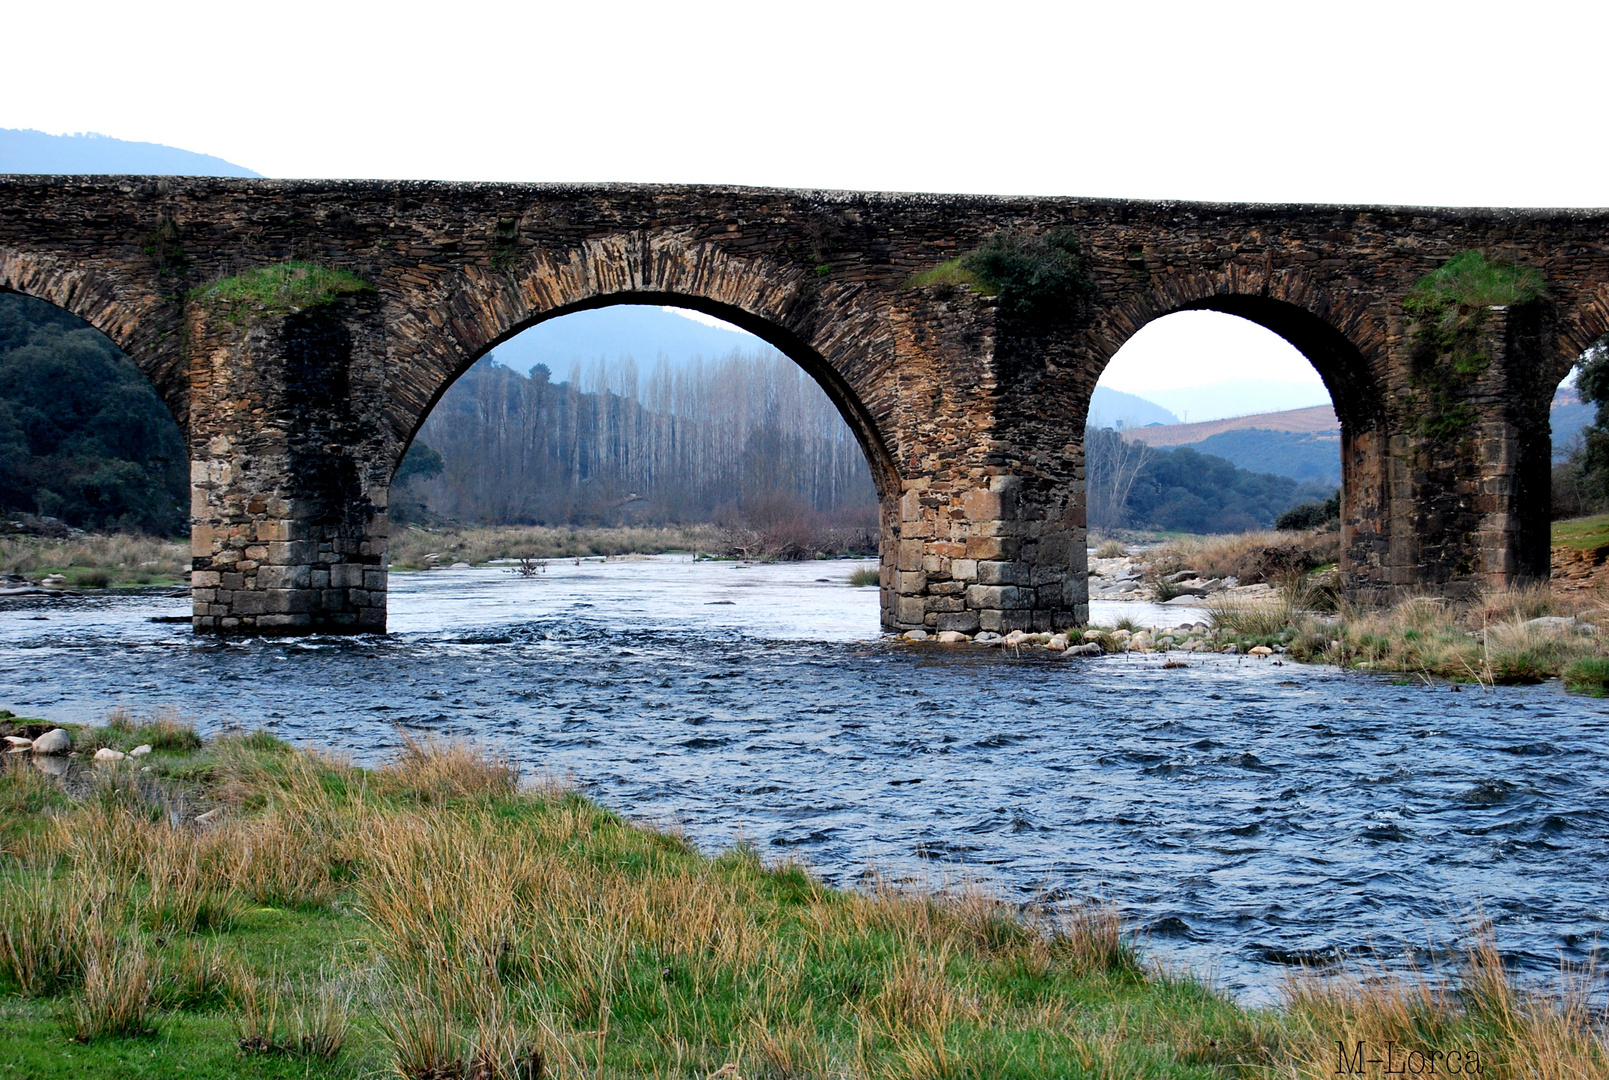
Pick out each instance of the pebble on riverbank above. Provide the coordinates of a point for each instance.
(1093, 641)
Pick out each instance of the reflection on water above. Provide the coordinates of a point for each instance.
(1247, 814)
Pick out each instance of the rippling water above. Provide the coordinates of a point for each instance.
(1246, 814)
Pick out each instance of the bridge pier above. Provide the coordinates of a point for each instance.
(982, 554)
(288, 505)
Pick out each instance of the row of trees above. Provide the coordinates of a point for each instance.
(727, 440)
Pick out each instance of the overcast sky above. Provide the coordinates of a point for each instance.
(1402, 102)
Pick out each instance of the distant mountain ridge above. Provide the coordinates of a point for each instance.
(23, 150)
(1115, 409)
(1319, 420)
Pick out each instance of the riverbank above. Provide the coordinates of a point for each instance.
(93, 560)
(240, 907)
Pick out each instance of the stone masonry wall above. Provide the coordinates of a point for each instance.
(973, 423)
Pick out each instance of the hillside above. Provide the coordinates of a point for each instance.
(1319, 421)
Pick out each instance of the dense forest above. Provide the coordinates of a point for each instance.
(83, 437)
(738, 439)
(1312, 459)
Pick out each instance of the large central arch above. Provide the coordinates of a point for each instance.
(756, 295)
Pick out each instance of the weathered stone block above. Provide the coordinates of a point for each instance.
(910, 555)
(270, 529)
(994, 548)
(996, 596)
(284, 577)
(910, 610)
(964, 569)
(999, 573)
(965, 622)
(911, 584)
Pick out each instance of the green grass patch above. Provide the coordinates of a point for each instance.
(288, 287)
(1585, 534)
(435, 918)
(1471, 280)
(1589, 675)
(954, 272)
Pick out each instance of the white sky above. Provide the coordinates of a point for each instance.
(1403, 102)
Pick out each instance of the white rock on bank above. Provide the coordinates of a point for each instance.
(54, 741)
(106, 753)
(1057, 643)
(17, 742)
(1089, 648)
(1017, 637)
(140, 750)
(952, 637)
(987, 637)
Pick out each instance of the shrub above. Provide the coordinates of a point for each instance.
(1449, 307)
(865, 576)
(1310, 515)
(1589, 675)
(1031, 275)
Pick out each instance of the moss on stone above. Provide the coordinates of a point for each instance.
(1449, 307)
(282, 289)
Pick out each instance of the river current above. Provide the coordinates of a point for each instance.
(1243, 814)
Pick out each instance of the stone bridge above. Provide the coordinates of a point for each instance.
(972, 418)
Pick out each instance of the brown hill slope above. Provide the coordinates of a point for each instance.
(1318, 420)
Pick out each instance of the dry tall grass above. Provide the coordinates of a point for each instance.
(1477, 1023)
(123, 557)
(1250, 557)
(1490, 640)
(518, 932)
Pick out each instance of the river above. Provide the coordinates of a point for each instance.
(1243, 814)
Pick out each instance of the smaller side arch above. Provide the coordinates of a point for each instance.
(1339, 339)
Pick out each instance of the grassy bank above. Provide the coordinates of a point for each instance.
(242, 908)
(97, 560)
(1507, 636)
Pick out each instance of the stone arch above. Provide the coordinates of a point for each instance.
(1579, 328)
(1339, 336)
(439, 333)
(133, 321)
